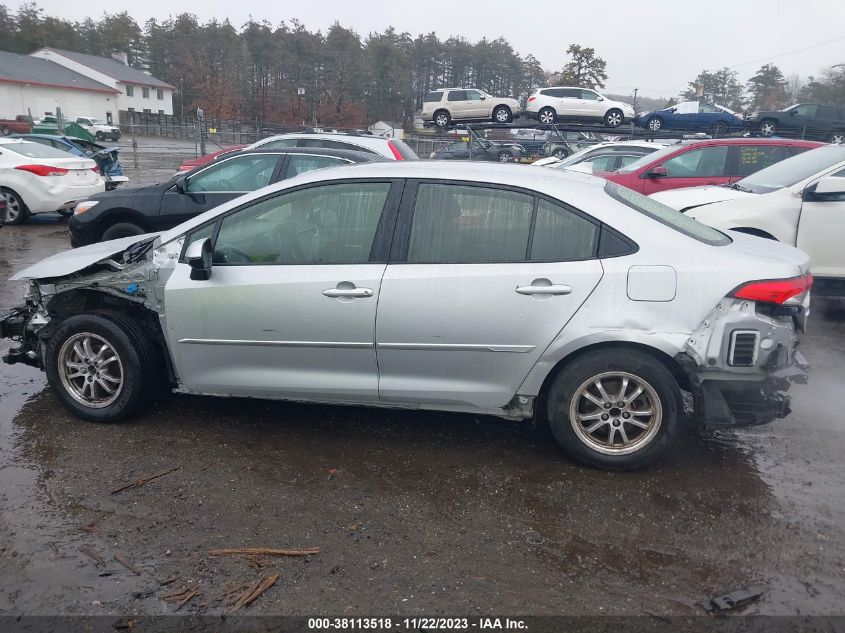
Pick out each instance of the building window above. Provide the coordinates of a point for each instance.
(131, 109)
(145, 92)
(130, 91)
(161, 111)
(160, 94)
(147, 111)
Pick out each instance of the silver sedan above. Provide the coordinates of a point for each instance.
(505, 290)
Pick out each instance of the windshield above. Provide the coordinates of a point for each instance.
(793, 170)
(98, 121)
(33, 150)
(666, 215)
(648, 159)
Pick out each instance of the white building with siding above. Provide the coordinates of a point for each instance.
(38, 86)
(137, 90)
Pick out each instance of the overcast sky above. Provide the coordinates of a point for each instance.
(656, 46)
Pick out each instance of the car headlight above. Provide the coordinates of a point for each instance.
(84, 206)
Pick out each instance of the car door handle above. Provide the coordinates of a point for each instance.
(544, 289)
(348, 293)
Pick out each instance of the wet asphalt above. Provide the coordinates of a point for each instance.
(414, 513)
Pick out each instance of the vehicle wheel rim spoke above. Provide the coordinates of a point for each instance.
(618, 424)
(92, 378)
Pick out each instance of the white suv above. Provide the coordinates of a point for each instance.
(461, 104)
(548, 105)
(99, 128)
(392, 148)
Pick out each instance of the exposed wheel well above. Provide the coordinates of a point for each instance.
(78, 301)
(502, 105)
(752, 231)
(667, 361)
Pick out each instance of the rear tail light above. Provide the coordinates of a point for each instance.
(395, 151)
(43, 170)
(96, 169)
(774, 290)
(532, 98)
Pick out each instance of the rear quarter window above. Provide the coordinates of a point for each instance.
(433, 97)
(666, 215)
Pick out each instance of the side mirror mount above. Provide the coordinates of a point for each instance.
(483, 98)
(199, 256)
(600, 98)
(793, 112)
(830, 188)
(182, 184)
(657, 172)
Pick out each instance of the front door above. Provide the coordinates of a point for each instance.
(220, 182)
(476, 290)
(590, 106)
(693, 168)
(289, 310)
(478, 106)
(801, 120)
(821, 231)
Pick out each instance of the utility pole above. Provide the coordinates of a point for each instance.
(636, 90)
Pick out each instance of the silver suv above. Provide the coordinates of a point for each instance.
(467, 104)
(472, 287)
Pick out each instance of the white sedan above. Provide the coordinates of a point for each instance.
(607, 156)
(35, 178)
(799, 201)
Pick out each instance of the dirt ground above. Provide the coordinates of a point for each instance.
(414, 513)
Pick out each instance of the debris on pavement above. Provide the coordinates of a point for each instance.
(254, 591)
(126, 563)
(168, 581)
(264, 551)
(92, 555)
(144, 480)
(732, 599)
(182, 597)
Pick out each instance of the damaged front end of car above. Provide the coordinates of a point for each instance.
(744, 357)
(119, 281)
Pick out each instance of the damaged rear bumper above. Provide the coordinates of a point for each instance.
(753, 392)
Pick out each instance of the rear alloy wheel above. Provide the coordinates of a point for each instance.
(16, 210)
(560, 154)
(614, 408)
(720, 128)
(546, 116)
(767, 128)
(505, 157)
(838, 137)
(101, 365)
(100, 136)
(121, 229)
(442, 119)
(613, 118)
(502, 115)
(5, 131)
(655, 124)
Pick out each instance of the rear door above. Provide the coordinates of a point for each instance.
(693, 167)
(456, 103)
(220, 182)
(568, 102)
(481, 280)
(801, 120)
(821, 231)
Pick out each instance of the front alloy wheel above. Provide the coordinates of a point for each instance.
(90, 370)
(768, 128)
(838, 137)
(613, 118)
(502, 115)
(505, 157)
(546, 116)
(441, 119)
(654, 124)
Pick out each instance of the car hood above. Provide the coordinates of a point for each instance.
(689, 197)
(76, 259)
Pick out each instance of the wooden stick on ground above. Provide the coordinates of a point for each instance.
(265, 551)
(253, 592)
(144, 480)
(125, 562)
(92, 554)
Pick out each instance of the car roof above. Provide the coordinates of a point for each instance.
(50, 136)
(10, 140)
(358, 157)
(751, 140)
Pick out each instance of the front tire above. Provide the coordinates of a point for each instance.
(837, 137)
(560, 153)
(101, 366)
(720, 128)
(546, 116)
(100, 136)
(16, 211)
(614, 408)
(614, 118)
(502, 114)
(5, 131)
(121, 229)
(505, 157)
(767, 128)
(655, 124)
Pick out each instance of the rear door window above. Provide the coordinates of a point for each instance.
(752, 158)
(280, 143)
(457, 95)
(570, 93)
(301, 163)
(826, 112)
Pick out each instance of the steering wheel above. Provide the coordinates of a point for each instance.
(230, 255)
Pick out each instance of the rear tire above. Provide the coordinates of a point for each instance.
(5, 131)
(614, 118)
(101, 365)
(121, 229)
(837, 137)
(505, 157)
(502, 114)
(100, 136)
(546, 116)
(629, 428)
(16, 211)
(720, 128)
(442, 119)
(560, 153)
(767, 128)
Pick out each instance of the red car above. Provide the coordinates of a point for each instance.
(188, 165)
(711, 162)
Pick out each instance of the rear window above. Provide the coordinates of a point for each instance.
(33, 150)
(433, 97)
(666, 215)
